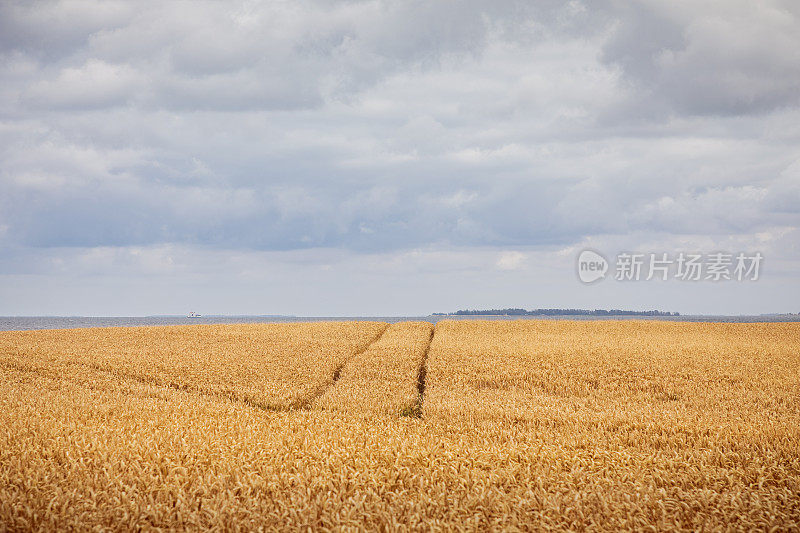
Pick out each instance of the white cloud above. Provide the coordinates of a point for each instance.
(95, 84)
(511, 261)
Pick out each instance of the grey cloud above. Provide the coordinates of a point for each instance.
(784, 194)
(54, 29)
(718, 58)
(384, 126)
(222, 57)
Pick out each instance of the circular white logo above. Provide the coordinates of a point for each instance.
(591, 266)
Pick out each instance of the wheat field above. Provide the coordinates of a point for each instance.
(471, 425)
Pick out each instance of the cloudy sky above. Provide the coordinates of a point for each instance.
(377, 157)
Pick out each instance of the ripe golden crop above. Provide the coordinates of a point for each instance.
(522, 425)
(384, 377)
(275, 366)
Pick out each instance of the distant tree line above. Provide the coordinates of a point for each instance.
(559, 312)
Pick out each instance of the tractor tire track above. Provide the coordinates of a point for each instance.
(415, 411)
(168, 384)
(306, 401)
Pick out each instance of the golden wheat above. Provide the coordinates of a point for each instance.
(383, 378)
(276, 365)
(524, 425)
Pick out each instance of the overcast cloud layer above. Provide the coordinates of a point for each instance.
(392, 157)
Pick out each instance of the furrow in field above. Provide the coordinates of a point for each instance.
(422, 377)
(385, 377)
(305, 402)
(526, 426)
